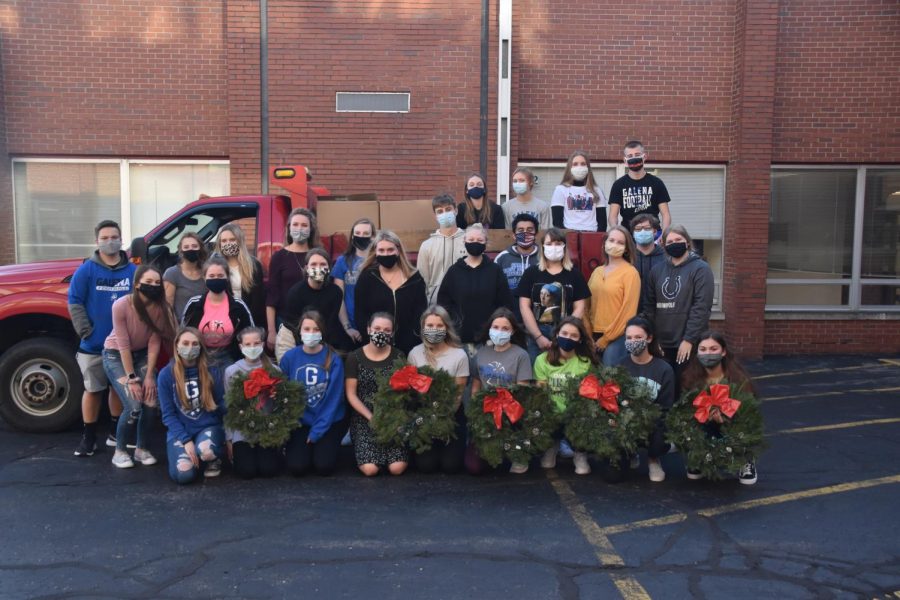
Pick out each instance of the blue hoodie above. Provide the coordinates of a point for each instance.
(92, 291)
(324, 389)
(184, 425)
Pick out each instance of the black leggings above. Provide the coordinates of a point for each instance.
(670, 355)
(320, 456)
(446, 457)
(254, 461)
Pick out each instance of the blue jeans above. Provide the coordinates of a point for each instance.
(115, 372)
(615, 352)
(533, 349)
(209, 445)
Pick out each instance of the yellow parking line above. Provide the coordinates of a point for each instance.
(893, 363)
(836, 426)
(603, 548)
(885, 362)
(749, 504)
(833, 393)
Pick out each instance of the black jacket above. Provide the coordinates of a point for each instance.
(407, 304)
(470, 295)
(238, 312)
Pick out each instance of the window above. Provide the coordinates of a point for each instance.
(59, 201)
(372, 102)
(833, 239)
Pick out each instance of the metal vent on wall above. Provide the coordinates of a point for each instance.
(372, 102)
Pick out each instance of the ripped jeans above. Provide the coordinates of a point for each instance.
(210, 446)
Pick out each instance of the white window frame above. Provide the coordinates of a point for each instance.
(124, 182)
(856, 281)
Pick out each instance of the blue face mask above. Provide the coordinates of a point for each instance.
(566, 344)
(446, 219)
(520, 187)
(476, 192)
(643, 237)
(499, 337)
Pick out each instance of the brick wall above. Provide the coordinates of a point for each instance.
(832, 337)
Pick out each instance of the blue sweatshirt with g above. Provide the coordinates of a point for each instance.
(183, 425)
(324, 387)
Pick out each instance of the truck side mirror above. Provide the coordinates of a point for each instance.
(138, 251)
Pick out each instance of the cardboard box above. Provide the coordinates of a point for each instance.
(498, 239)
(407, 215)
(337, 216)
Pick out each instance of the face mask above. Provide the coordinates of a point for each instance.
(644, 237)
(318, 274)
(190, 255)
(710, 360)
(676, 250)
(189, 352)
(217, 286)
(635, 163)
(476, 192)
(388, 261)
(566, 344)
(311, 340)
(446, 219)
(635, 347)
(251, 352)
(153, 292)
(614, 250)
(230, 249)
(500, 337)
(300, 235)
(110, 247)
(475, 248)
(361, 243)
(525, 239)
(380, 339)
(520, 187)
(434, 336)
(554, 253)
(579, 173)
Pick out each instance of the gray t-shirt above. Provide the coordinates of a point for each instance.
(503, 369)
(185, 288)
(454, 361)
(537, 208)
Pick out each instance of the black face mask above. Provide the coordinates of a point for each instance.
(190, 255)
(635, 163)
(476, 192)
(361, 243)
(153, 292)
(388, 261)
(217, 286)
(676, 250)
(475, 248)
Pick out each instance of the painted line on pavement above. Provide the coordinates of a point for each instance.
(883, 362)
(832, 393)
(846, 425)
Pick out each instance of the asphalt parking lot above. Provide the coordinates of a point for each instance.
(820, 523)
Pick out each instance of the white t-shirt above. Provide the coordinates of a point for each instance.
(579, 206)
(235, 280)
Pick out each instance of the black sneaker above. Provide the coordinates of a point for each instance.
(748, 474)
(86, 447)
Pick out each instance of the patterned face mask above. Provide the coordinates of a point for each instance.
(230, 249)
(380, 339)
(318, 273)
(635, 347)
(434, 336)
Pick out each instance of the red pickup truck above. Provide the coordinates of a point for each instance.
(40, 382)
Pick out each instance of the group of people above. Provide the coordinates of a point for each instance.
(338, 327)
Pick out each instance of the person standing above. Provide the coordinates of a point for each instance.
(644, 229)
(578, 202)
(477, 207)
(443, 248)
(346, 271)
(638, 192)
(100, 280)
(522, 254)
(523, 181)
(244, 272)
(185, 280)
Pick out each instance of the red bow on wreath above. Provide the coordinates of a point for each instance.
(607, 395)
(503, 402)
(260, 384)
(408, 378)
(715, 401)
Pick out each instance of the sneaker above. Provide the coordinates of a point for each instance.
(110, 441)
(582, 466)
(346, 440)
(144, 457)
(694, 474)
(635, 462)
(121, 460)
(565, 450)
(548, 460)
(672, 448)
(518, 468)
(748, 474)
(86, 447)
(656, 471)
(213, 469)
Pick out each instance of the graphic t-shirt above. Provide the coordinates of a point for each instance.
(502, 369)
(638, 196)
(579, 206)
(348, 272)
(216, 326)
(557, 302)
(557, 377)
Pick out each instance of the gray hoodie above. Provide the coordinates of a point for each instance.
(679, 300)
(436, 255)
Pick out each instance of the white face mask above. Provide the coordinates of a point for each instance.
(554, 253)
(251, 352)
(579, 173)
(311, 340)
(520, 187)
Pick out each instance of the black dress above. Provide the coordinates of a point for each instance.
(366, 372)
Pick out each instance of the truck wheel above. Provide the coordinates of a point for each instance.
(40, 385)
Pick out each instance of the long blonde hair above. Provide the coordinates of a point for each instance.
(452, 338)
(245, 260)
(386, 235)
(206, 382)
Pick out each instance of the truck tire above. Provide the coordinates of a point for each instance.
(40, 385)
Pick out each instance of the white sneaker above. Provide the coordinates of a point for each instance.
(144, 457)
(694, 475)
(121, 460)
(656, 471)
(548, 460)
(635, 462)
(213, 469)
(582, 466)
(518, 468)
(565, 450)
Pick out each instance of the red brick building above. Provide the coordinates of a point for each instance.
(775, 123)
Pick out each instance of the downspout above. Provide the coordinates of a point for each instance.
(264, 95)
(483, 134)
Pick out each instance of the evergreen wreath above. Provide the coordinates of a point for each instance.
(415, 407)
(514, 423)
(265, 406)
(710, 447)
(609, 412)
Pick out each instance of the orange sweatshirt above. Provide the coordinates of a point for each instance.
(614, 300)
